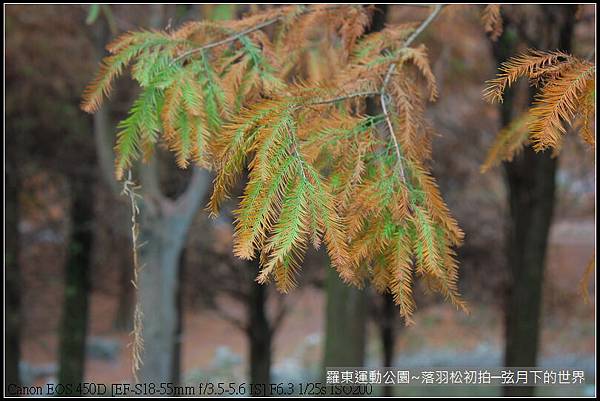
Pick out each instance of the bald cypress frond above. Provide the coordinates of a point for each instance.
(492, 21)
(281, 94)
(566, 98)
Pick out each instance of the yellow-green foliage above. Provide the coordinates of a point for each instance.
(290, 107)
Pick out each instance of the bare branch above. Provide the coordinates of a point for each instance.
(227, 39)
(223, 313)
(383, 100)
(282, 310)
(425, 24)
(344, 97)
(238, 35)
(388, 75)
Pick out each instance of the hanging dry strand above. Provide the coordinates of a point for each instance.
(137, 343)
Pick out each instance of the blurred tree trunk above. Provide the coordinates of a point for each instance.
(103, 127)
(124, 315)
(389, 310)
(164, 225)
(345, 326)
(388, 335)
(531, 193)
(12, 270)
(346, 317)
(258, 330)
(77, 283)
(387, 329)
(176, 364)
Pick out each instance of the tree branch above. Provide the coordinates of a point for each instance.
(235, 321)
(277, 320)
(238, 35)
(152, 194)
(195, 191)
(383, 97)
(383, 100)
(425, 24)
(392, 67)
(227, 39)
(344, 97)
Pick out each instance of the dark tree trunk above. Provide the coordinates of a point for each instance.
(388, 335)
(124, 315)
(389, 310)
(77, 283)
(346, 317)
(345, 327)
(259, 331)
(12, 270)
(531, 195)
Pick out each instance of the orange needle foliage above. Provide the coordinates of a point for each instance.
(289, 106)
(566, 98)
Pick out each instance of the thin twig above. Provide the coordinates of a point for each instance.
(227, 39)
(411, 38)
(344, 97)
(383, 97)
(425, 24)
(238, 35)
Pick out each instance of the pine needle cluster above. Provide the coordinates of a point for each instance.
(282, 94)
(492, 21)
(566, 97)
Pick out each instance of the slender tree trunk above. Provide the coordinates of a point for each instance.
(345, 328)
(77, 284)
(12, 270)
(531, 195)
(164, 226)
(124, 314)
(259, 331)
(389, 311)
(103, 138)
(163, 237)
(388, 336)
(176, 364)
